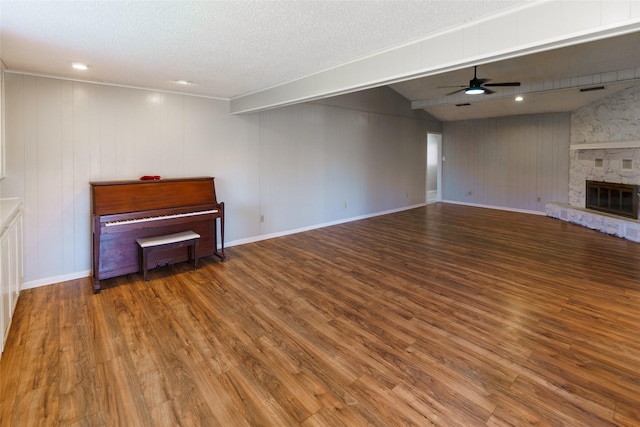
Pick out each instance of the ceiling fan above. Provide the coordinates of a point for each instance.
(479, 86)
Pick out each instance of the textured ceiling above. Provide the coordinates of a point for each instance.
(226, 48)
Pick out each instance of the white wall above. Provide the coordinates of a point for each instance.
(2, 158)
(297, 166)
(519, 162)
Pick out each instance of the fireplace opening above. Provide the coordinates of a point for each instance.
(616, 199)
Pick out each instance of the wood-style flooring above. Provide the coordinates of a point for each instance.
(444, 315)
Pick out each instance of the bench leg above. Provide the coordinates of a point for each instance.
(195, 254)
(192, 253)
(144, 263)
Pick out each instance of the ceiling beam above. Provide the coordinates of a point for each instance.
(530, 28)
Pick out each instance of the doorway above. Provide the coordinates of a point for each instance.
(434, 168)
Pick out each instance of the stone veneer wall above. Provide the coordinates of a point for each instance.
(615, 118)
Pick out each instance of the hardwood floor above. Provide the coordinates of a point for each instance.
(445, 315)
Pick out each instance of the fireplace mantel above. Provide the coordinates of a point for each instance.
(605, 145)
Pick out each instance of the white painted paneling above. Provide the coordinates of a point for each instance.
(15, 152)
(507, 162)
(296, 165)
(583, 18)
(313, 189)
(171, 139)
(434, 55)
(279, 205)
(2, 114)
(378, 68)
(225, 146)
(341, 139)
(48, 160)
(235, 159)
(491, 40)
(529, 28)
(31, 172)
(81, 164)
(123, 137)
(67, 178)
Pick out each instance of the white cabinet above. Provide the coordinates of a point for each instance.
(11, 262)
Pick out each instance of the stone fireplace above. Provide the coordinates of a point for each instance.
(604, 147)
(615, 166)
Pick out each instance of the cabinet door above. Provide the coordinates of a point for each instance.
(5, 290)
(15, 258)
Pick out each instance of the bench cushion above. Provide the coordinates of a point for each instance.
(146, 242)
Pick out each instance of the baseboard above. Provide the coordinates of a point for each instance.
(55, 279)
(86, 273)
(500, 208)
(315, 226)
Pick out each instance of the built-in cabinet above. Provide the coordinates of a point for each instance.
(11, 262)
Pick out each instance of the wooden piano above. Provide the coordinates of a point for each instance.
(126, 210)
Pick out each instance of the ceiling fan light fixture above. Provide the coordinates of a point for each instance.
(474, 91)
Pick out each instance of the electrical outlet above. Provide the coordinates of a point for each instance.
(345, 205)
(261, 218)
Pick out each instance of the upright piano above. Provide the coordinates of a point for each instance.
(123, 211)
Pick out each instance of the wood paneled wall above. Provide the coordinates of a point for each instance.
(519, 162)
(295, 167)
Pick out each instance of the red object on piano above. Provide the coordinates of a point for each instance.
(149, 177)
(123, 211)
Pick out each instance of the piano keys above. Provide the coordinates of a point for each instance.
(123, 211)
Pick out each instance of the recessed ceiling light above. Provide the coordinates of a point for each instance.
(519, 98)
(79, 66)
(184, 82)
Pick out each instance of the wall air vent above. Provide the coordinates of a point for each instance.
(589, 89)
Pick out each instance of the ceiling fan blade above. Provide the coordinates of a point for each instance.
(503, 84)
(476, 83)
(448, 87)
(457, 91)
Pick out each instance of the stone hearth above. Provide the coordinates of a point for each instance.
(610, 224)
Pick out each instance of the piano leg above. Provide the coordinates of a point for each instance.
(96, 255)
(219, 253)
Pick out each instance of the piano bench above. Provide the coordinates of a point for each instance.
(149, 245)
